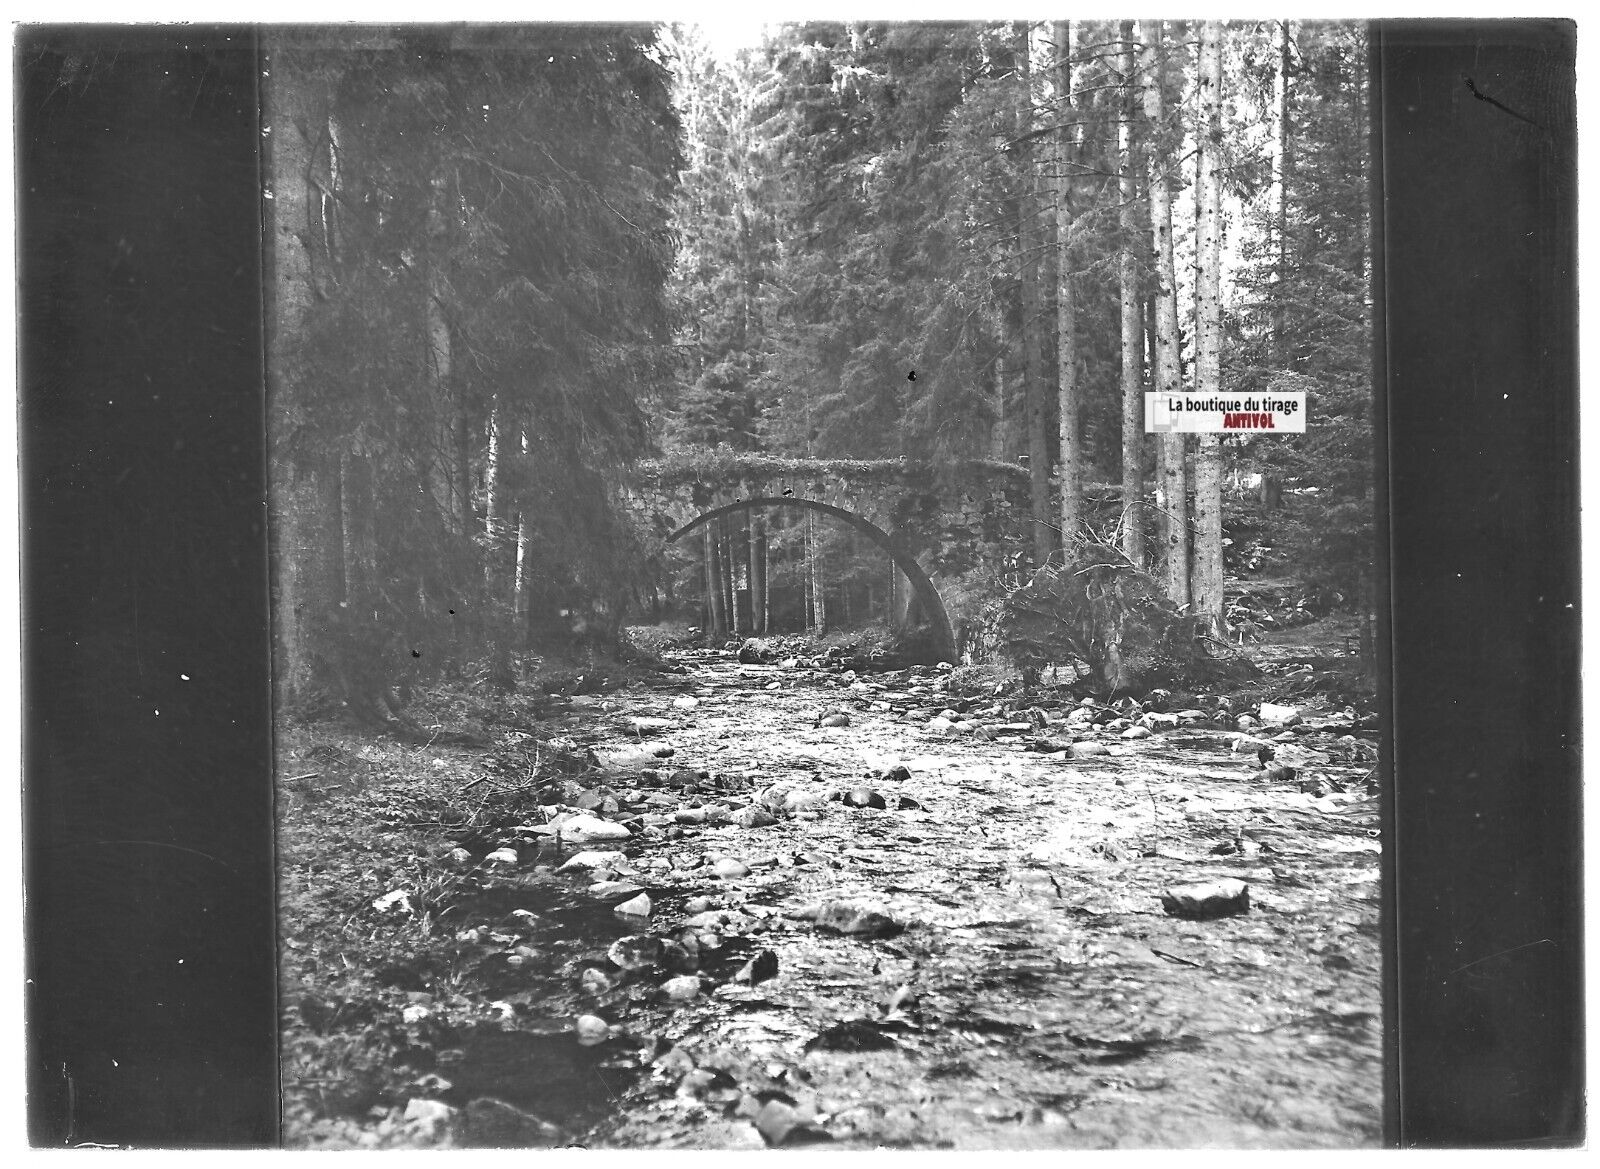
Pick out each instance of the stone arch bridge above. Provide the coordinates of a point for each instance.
(932, 523)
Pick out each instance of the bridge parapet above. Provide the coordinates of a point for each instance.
(939, 514)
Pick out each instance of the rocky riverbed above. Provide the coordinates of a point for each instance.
(777, 904)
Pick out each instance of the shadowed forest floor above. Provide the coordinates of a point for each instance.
(888, 932)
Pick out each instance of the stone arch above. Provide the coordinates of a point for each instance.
(926, 594)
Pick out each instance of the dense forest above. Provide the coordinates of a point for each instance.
(746, 676)
(508, 264)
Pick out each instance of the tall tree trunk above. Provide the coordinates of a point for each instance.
(1282, 158)
(819, 599)
(461, 463)
(997, 430)
(1169, 378)
(521, 600)
(758, 616)
(719, 623)
(1132, 318)
(1206, 572)
(498, 559)
(360, 541)
(1279, 147)
(1066, 321)
(730, 600)
(1028, 245)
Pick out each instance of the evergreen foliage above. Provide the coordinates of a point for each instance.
(467, 221)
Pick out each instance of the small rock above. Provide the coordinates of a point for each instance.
(1279, 774)
(837, 719)
(501, 856)
(635, 952)
(907, 804)
(729, 869)
(760, 968)
(428, 1119)
(1088, 749)
(864, 797)
(458, 858)
(685, 702)
(801, 801)
(589, 859)
(780, 1124)
(896, 774)
(637, 907)
(850, 917)
(1136, 733)
(609, 889)
(1276, 715)
(649, 726)
(594, 982)
(582, 829)
(754, 817)
(697, 905)
(1158, 722)
(682, 988)
(591, 1030)
(1213, 899)
(690, 816)
(939, 724)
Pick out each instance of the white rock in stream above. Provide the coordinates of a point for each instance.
(501, 856)
(591, 859)
(642, 725)
(581, 829)
(636, 908)
(428, 1119)
(1275, 715)
(682, 988)
(591, 1029)
(685, 702)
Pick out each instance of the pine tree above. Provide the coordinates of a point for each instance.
(468, 228)
(1206, 587)
(1172, 499)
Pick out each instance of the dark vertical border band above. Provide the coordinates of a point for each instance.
(148, 850)
(147, 730)
(1476, 268)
